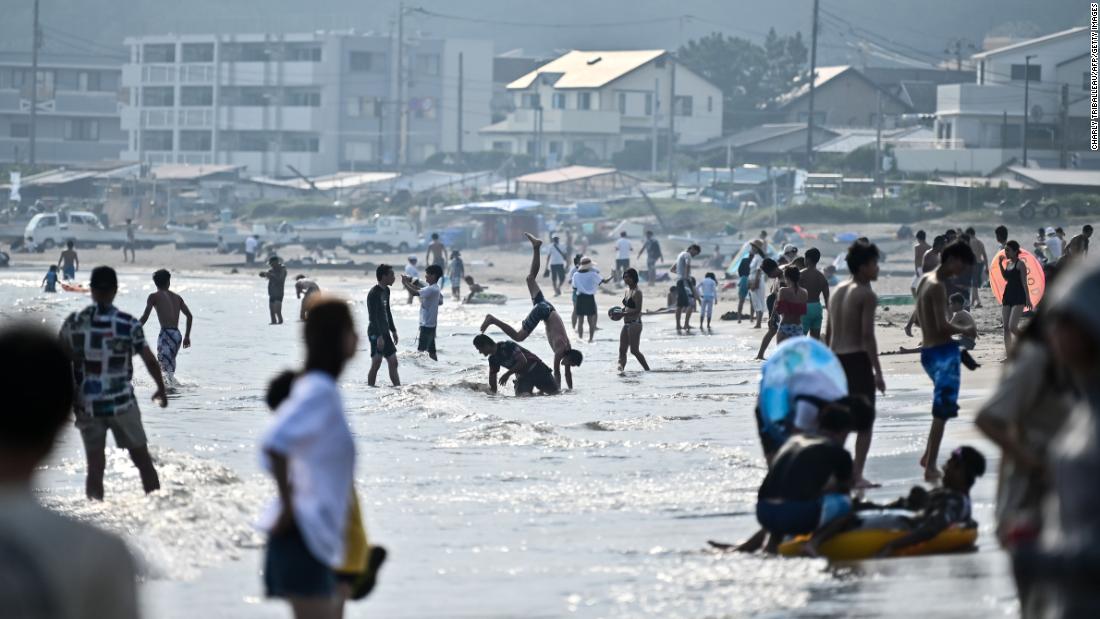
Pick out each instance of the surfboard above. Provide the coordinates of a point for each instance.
(1036, 277)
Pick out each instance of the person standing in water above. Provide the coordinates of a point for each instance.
(850, 333)
(631, 335)
(413, 274)
(131, 242)
(276, 285)
(437, 252)
(431, 297)
(920, 248)
(456, 273)
(939, 352)
(652, 249)
(169, 306)
(817, 294)
(69, 262)
(708, 296)
(758, 291)
(556, 258)
(587, 282)
(49, 282)
(101, 342)
(790, 304)
(309, 452)
(685, 292)
(381, 330)
(251, 245)
(305, 289)
(1016, 299)
(622, 255)
(543, 311)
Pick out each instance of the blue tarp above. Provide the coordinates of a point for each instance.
(495, 206)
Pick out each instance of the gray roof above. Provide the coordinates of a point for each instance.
(754, 135)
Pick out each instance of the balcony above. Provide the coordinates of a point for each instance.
(524, 120)
(265, 73)
(996, 100)
(252, 118)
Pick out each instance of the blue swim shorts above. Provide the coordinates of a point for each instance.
(941, 363)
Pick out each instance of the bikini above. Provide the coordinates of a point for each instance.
(628, 302)
(790, 308)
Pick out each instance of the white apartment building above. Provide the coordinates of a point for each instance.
(320, 102)
(597, 102)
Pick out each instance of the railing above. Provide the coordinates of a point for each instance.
(941, 144)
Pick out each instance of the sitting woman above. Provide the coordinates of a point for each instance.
(791, 305)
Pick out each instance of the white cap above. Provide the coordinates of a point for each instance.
(1050, 231)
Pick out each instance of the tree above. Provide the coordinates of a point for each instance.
(749, 75)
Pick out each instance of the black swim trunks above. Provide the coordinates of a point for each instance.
(538, 377)
(381, 346)
(586, 304)
(684, 298)
(861, 375)
(426, 341)
(539, 313)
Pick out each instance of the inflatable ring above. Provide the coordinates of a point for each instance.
(866, 543)
(483, 298)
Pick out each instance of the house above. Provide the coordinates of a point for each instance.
(843, 97)
(763, 144)
(589, 105)
(915, 86)
(507, 68)
(322, 102)
(77, 120)
(573, 182)
(1052, 182)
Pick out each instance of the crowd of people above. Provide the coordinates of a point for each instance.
(1043, 414)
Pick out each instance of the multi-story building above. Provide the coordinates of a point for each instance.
(320, 102)
(77, 117)
(593, 104)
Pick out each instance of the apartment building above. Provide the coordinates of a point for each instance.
(315, 102)
(592, 104)
(77, 118)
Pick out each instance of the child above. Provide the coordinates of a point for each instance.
(830, 275)
(431, 297)
(50, 280)
(457, 273)
(474, 287)
(413, 274)
(670, 301)
(956, 304)
(708, 295)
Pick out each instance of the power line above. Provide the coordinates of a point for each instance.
(517, 24)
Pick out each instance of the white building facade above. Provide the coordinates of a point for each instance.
(318, 102)
(595, 103)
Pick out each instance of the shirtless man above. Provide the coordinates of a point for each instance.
(169, 306)
(920, 248)
(817, 290)
(981, 260)
(939, 352)
(304, 288)
(1078, 246)
(131, 242)
(931, 258)
(850, 333)
(544, 312)
(437, 253)
(69, 262)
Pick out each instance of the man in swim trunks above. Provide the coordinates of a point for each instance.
(808, 483)
(850, 333)
(530, 372)
(69, 262)
(305, 288)
(437, 252)
(169, 306)
(817, 290)
(276, 282)
(381, 330)
(131, 242)
(564, 354)
(939, 352)
(686, 295)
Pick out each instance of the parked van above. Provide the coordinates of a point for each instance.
(383, 233)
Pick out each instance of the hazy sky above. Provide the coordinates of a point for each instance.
(915, 30)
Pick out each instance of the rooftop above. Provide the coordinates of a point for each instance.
(1079, 30)
(185, 172)
(564, 175)
(1079, 178)
(589, 69)
(822, 76)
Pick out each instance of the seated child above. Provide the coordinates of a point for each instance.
(961, 318)
(474, 287)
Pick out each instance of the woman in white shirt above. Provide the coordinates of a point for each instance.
(586, 281)
(310, 452)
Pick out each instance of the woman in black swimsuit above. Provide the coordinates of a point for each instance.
(631, 334)
(1015, 299)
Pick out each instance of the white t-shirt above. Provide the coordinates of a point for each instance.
(556, 255)
(431, 297)
(250, 244)
(310, 430)
(587, 282)
(683, 265)
(412, 271)
(623, 247)
(1054, 246)
(708, 288)
(812, 384)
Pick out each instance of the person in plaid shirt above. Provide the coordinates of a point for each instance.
(101, 342)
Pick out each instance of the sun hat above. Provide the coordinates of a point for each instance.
(757, 243)
(790, 249)
(585, 264)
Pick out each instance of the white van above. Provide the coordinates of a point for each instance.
(49, 230)
(383, 233)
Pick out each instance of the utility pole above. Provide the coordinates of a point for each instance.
(813, 78)
(672, 126)
(538, 132)
(402, 117)
(460, 103)
(379, 106)
(1063, 156)
(878, 151)
(654, 106)
(36, 42)
(1027, 84)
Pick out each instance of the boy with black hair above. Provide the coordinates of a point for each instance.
(304, 289)
(1001, 234)
(431, 297)
(101, 342)
(69, 261)
(381, 330)
(543, 311)
(817, 293)
(53, 566)
(169, 306)
(531, 373)
(939, 352)
(276, 283)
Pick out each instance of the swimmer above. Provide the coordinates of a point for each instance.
(381, 330)
(456, 272)
(757, 278)
(169, 306)
(475, 288)
(305, 288)
(939, 352)
(49, 282)
(437, 252)
(530, 372)
(631, 334)
(790, 304)
(69, 262)
(564, 354)
(817, 294)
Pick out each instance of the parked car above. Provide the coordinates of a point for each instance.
(49, 230)
(387, 233)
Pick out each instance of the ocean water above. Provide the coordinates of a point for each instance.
(595, 503)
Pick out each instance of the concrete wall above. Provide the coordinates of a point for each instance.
(979, 161)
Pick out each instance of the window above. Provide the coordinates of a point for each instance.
(555, 147)
(530, 101)
(1034, 72)
(248, 52)
(649, 104)
(157, 96)
(302, 98)
(427, 64)
(301, 143)
(81, 129)
(367, 62)
(557, 101)
(682, 105)
(158, 52)
(197, 52)
(156, 140)
(622, 103)
(531, 147)
(91, 80)
(584, 100)
(195, 140)
(68, 80)
(302, 53)
(19, 130)
(710, 104)
(196, 96)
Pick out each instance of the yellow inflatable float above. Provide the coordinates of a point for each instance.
(866, 543)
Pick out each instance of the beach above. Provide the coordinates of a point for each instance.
(595, 503)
